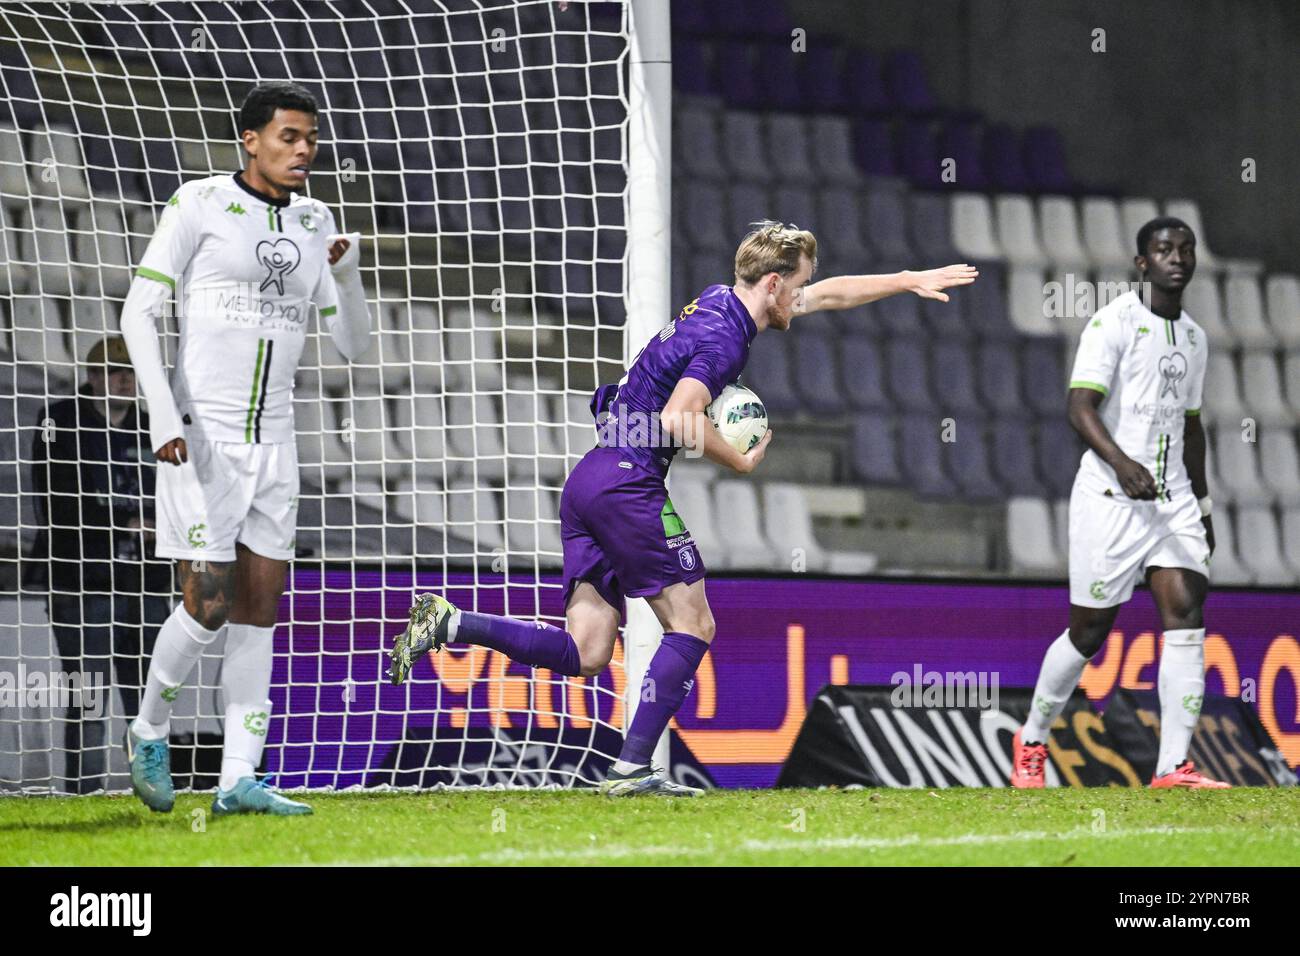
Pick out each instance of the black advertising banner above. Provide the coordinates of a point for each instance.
(875, 736)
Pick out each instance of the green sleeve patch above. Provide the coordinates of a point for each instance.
(146, 273)
(1092, 385)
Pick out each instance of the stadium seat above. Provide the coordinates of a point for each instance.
(737, 78)
(788, 525)
(1221, 400)
(885, 215)
(13, 272)
(1238, 466)
(816, 373)
(472, 351)
(1245, 303)
(1045, 380)
(1135, 212)
(795, 203)
(839, 219)
(1045, 160)
(998, 379)
(1027, 303)
(476, 436)
(1013, 459)
(704, 205)
(968, 460)
(533, 446)
(39, 339)
(1061, 527)
(308, 430)
(1189, 211)
(1103, 234)
(920, 440)
(908, 378)
(746, 203)
(1291, 538)
(474, 516)
(972, 227)
(769, 368)
(986, 303)
(1262, 390)
(873, 449)
(1062, 236)
(697, 148)
(1203, 302)
(532, 519)
(1017, 231)
(1059, 452)
(426, 351)
(791, 147)
(865, 82)
(60, 148)
(952, 373)
(918, 153)
(1226, 567)
(833, 158)
(14, 191)
(959, 141)
(897, 315)
(862, 372)
(906, 84)
(102, 263)
(43, 241)
(694, 505)
(1004, 161)
(823, 84)
(1283, 292)
(1029, 537)
(1291, 365)
(742, 529)
(746, 156)
(930, 229)
(1279, 462)
(1264, 557)
(579, 426)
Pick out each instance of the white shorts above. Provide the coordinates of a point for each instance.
(1112, 543)
(228, 492)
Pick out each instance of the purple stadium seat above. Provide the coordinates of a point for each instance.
(1045, 160)
(736, 77)
(839, 219)
(873, 148)
(960, 141)
(746, 203)
(897, 315)
(704, 205)
(697, 148)
(873, 449)
(918, 155)
(691, 18)
(930, 228)
(949, 321)
(1044, 377)
(865, 84)
(969, 461)
(1059, 450)
(1003, 160)
(815, 363)
(952, 374)
(796, 204)
(906, 375)
(824, 88)
(769, 373)
(765, 18)
(985, 302)
(1013, 458)
(998, 377)
(693, 67)
(863, 373)
(885, 213)
(919, 437)
(906, 84)
(781, 72)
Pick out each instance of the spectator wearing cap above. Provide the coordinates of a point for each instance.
(94, 480)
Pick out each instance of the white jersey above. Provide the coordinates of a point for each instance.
(246, 270)
(1152, 372)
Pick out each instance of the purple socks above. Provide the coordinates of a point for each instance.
(529, 642)
(672, 671)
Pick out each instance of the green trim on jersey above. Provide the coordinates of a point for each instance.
(1191, 412)
(252, 400)
(1092, 385)
(144, 272)
(1162, 463)
(1170, 335)
(329, 310)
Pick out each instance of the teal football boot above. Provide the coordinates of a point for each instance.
(151, 771)
(250, 796)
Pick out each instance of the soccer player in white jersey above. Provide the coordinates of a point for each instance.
(1140, 504)
(247, 257)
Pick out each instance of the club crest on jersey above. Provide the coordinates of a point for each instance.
(280, 258)
(686, 557)
(1173, 369)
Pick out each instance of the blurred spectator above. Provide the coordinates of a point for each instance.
(93, 473)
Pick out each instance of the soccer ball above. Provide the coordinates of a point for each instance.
(739, 416)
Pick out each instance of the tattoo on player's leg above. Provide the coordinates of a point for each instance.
(209, 593)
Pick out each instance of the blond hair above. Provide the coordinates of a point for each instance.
(772, 246)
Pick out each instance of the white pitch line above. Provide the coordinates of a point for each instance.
(623, 851)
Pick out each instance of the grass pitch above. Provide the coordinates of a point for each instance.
(757, 827)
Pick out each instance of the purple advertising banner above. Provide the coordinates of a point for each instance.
(778, 642)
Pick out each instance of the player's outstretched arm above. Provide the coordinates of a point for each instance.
(342, 298)
(1086, 420)
(685, 420)
(848, 292)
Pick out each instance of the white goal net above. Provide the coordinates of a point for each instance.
(480, 148)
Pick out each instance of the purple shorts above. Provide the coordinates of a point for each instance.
(621, 532)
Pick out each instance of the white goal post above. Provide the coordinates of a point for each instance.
(488, 151)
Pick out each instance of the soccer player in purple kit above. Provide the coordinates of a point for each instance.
(621, 534)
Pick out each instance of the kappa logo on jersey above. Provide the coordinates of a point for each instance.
(1173, 369)
(236, 208)
(280, 258)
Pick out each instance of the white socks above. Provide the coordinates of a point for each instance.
(246, 685)
(1062, 667)
(180, 643)
(1182, 687)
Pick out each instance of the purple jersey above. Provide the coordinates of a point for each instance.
(709, 341)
